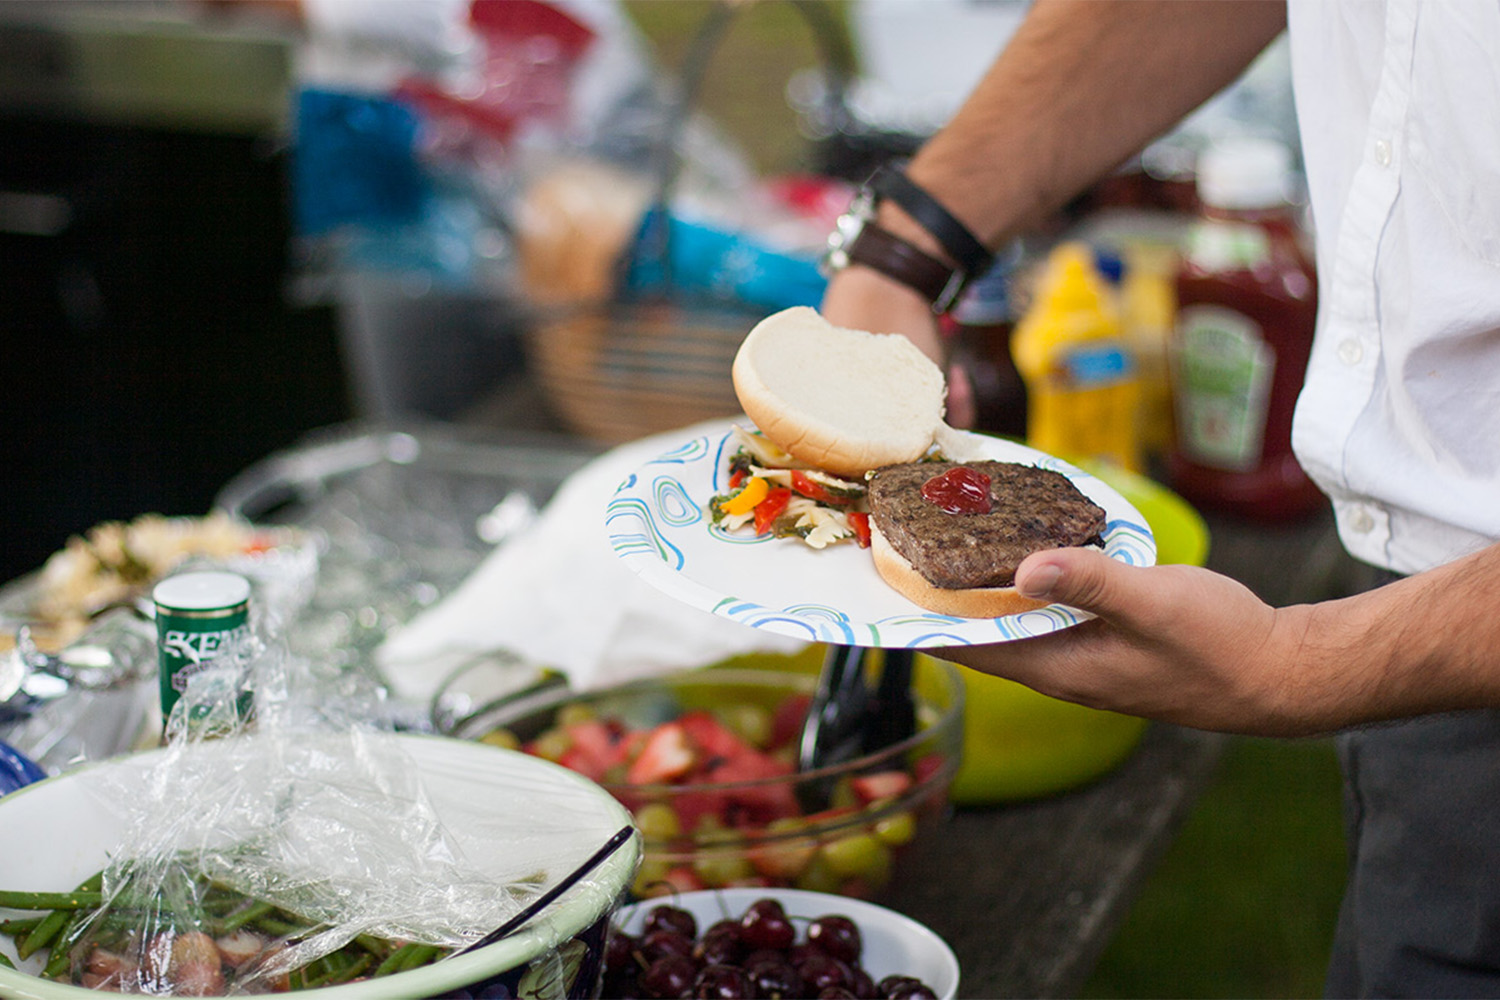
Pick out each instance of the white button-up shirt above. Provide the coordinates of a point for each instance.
(1399, 108)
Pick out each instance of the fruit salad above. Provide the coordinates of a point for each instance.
(717, 796)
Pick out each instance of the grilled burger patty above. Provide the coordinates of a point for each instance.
(1031, 509)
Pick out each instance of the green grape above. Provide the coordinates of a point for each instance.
(751, 723)
(861, 855)
(720, 868)
(658, 821)
(503, 738)
(896, 829)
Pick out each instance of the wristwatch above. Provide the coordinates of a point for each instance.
(857, 239)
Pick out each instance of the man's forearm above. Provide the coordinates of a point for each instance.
(1429, 643)
(1082, 85)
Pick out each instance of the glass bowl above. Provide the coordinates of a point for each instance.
(735, 820)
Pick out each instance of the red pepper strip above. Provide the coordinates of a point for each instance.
(768, 510)
(817, 491)
(736, 477)
(860, 522)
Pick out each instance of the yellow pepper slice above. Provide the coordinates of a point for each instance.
(744, 501)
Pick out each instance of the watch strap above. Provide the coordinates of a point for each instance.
(962, 245)
(897, 259)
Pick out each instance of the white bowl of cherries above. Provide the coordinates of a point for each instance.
(787, 943)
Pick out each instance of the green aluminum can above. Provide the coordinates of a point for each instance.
(198, 615)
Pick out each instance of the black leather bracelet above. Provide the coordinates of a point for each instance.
(897, 259)
(973, 257)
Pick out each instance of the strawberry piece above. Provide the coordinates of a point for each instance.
(692, 807)
(683, 879)
(880, 785)
(600, 743)
(712, 737)
(666, 755)
(759, 804)
(826, 816)
(788, 718)
(574, 759)
(925, 768)
(781, 858)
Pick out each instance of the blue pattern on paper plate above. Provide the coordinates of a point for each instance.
(658, 524)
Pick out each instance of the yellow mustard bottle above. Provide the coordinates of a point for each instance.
(1148, 311)
(1082, 383)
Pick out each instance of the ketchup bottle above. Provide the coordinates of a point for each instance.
(1247, 302)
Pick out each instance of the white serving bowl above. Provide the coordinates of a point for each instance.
(894, 944)
(57, 832)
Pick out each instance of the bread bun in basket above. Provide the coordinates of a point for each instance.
(970, 602)
(842, 400)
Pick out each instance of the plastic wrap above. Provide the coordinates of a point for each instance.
(295, 843)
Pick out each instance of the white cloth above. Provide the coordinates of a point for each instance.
(1399, 110)
(369, 47)
(557, 595)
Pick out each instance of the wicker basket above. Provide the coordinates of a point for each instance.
(617, 372)
(617, 369)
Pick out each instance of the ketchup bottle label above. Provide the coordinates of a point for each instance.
(1215, 246)
(1222, 368)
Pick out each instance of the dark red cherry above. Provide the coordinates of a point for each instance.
(661, 943)
(669, 978)
(671, 918)
(765, 925)
(836, 935)
(722, 982)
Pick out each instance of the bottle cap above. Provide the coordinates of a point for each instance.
(1246, 172)
(1075, 283)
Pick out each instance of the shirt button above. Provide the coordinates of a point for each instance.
(1383, 152)
(1361, 521)
(1351, 351)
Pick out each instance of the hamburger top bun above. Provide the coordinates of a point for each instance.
(842, 400)
(972, 602)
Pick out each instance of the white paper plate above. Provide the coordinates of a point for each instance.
(658, 524)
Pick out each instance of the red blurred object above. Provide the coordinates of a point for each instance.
(531, 49)
(435, 103)
(820, 200)
(519, 20)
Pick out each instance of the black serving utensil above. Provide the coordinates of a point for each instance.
(831, 733)
(846, 720)
(892, 716)
(546, 899)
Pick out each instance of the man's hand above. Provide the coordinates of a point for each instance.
(1176, 643)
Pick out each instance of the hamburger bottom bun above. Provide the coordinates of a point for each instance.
(841, 400)
(976, 602)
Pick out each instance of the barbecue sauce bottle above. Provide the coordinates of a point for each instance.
(1247, 303)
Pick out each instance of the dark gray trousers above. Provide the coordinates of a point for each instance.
(1421, 913)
